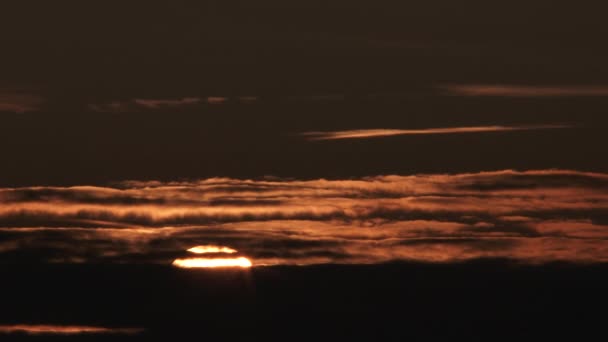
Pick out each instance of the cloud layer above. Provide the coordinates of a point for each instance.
(532, 216)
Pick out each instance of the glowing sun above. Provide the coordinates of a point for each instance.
(211, 249)
(212, 261)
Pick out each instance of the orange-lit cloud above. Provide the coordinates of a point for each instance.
(524, 90)
(240, 262)
(532, 216)
(48, 329)
(374, 133)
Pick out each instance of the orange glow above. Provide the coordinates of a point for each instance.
(241, 262)
(211, 249)
(63, 329)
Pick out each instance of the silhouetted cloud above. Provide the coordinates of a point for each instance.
(534, 216)
(375, 133)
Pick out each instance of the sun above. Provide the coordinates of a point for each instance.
(240, 262)
(213, 261)
(211, 249)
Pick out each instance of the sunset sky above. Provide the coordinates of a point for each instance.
(301, 133)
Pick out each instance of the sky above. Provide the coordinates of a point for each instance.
(304, 132)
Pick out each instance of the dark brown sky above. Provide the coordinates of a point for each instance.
(74, 76)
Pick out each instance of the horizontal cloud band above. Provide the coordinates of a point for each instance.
(533, 216)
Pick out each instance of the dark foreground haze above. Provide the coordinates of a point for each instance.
(491, 299)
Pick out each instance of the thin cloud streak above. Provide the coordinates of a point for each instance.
(148, 104)
(376, 133)
(504, 90)
(135, 105)
(49, 329)
(158, 103)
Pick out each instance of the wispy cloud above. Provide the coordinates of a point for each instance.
(144, 104)
(19, 101)
(139, 104)
(316, 98)
(48, 329)
(506, 90)
(158, 103)
(533, 216)
(376, 133)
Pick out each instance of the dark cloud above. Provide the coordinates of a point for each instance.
(485, 244)
(509, 228)
(532, 181)
(184, 103)
(92, 195)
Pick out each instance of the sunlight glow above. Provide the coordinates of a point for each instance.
(212, 262)
(211, 249)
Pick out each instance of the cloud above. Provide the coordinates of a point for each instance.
(143, 104)
(49, 329)
(216, 99)
(505, 90)
(484, 244)
(19, 101)
(316, 98)
(533, 216)
(137, 104)
(375, 133)
(156, 103)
